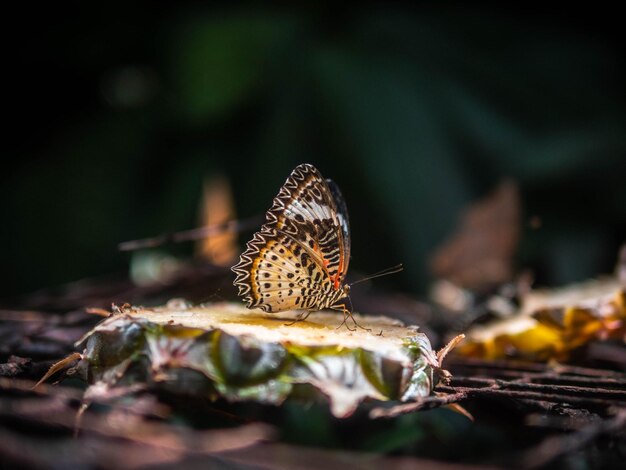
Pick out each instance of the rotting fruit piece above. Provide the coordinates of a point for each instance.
(552, 323)
(226, 350)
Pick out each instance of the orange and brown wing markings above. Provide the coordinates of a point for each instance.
(304, 245)
(337, 278)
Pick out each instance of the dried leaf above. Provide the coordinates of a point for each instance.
(60, 365)
(480, 254)
(218, 209)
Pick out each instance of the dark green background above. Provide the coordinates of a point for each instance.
(116, 114)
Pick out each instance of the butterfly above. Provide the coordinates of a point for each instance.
(299, 258)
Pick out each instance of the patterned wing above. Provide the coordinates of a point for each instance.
(344, 222)
(299, 258)
(275, 274)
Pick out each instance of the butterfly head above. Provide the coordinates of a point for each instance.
(341, 299)
(346, 290)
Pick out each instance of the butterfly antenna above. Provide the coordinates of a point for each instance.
(384, 272)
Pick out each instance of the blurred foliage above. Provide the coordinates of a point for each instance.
(119, 111)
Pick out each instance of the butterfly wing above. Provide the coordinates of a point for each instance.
(298, 259)
(344, 223)
(276, 274)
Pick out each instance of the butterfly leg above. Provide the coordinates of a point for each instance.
(347, 314)
(301, 317)
(345, 317)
